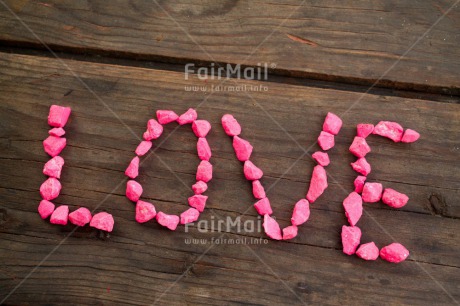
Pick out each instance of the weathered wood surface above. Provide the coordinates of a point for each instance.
(353, 42)
(142, 264)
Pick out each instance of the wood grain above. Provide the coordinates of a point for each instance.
(137, 263)
(347, 41)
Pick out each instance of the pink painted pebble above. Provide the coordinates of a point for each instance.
(204, 171)
(53, 167)
(166, 116)
(169, 221)
(145, 211)
(103, 221)
(258, 190)
(372, 192)
(394, 252)
(60, 215)
(410, 136)
(54, 145)
(326, 140)
(289, 232)
(368, 251)
(361, 166)
(45, 209)
(301, 212)
(201, 128)
(143, 147)
(199, 187)
(351, 236)
(198, 201)
(364, 129)
(230, 125)
(318, 183)
(389, 129)
(50, 189)
(190, 215)
(80, 217)
(133, 168)
(393, 198)
(359, 147)
(332, 124)
(322, 158)
(272, 228)
(263, 207)
(243, 148)
(359, 183)
(203, 149)
(353, 205)
(58, 132)
(188, 117)
(133, 190)
(251, 172)
(58, 115)
(154, 130)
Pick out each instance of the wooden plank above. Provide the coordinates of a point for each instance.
(353, 42)
(137, 263)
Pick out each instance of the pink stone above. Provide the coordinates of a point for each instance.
(199, 187)
(54, 145)
(133, 190)
(58, 115)
(326, 140)
(351, 236)
(230, 125)
(301, 212)
(258, 190)
(80, 217)
(188, 117)
(53, 167)
(243, 148)
(364, 129)
(332, 124)
(190, 215)
(133, 168)
(154, 130)
(322, 158)
(169, 221)
(361, 166)
(143, 147)
(389, 129)
(103, 221)
(372, 192)
(272, 228)
(359, 147)
(359, 183)
(201, 128)
(353, 205)
(145, 211)
(289, 232)
(318, 183)
(393, 198)
(410, 136)
(166, 116)
(60, 215)
(50, 189)
(368, 251)
(394, 252)
(45, 209)
(58, 132)
(251, 172)
(204, 171)
(263, 207)
(203, 149)
(198, 201)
